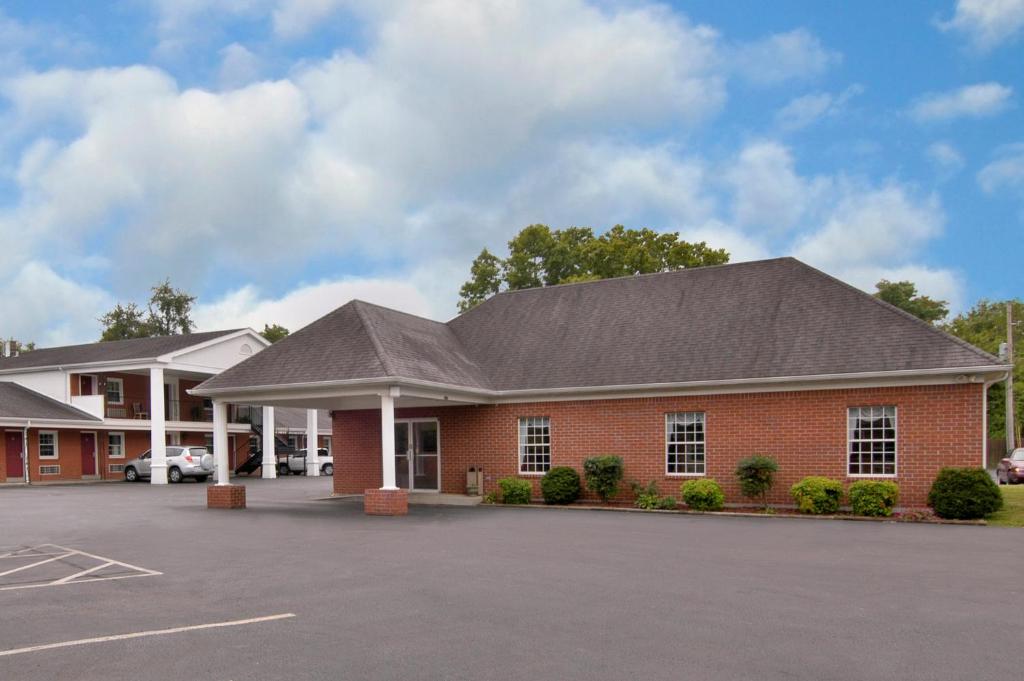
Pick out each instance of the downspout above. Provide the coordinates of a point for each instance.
(24, 450)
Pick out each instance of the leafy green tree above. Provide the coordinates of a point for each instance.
(903, 294)
(484, 282)
(168, 313)
(170, 310)
(124, 322)
(984, 326)
(540, 256)
(274, 332)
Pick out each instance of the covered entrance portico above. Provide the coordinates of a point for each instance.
(410, 455)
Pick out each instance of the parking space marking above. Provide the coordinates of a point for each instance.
(141, 634)
(58, 557)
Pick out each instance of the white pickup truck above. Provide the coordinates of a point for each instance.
(295, 463)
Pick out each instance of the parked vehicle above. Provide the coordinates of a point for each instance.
(182, 462)
(294, 463)
(1010, 470)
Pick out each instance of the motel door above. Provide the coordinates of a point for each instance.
(88, 454)
(12, 445)
(417, 455)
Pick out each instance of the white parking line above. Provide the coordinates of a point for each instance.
(141, 634)
(47, 553)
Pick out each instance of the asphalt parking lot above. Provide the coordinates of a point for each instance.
(292, 588)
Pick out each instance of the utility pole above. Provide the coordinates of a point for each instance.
(1011, 421)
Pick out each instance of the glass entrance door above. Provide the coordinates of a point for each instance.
(417, 456)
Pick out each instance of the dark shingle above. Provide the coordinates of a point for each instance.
(110, 351)
(765, 319)
(18, 402)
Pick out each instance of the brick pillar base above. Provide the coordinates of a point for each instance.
(225, 496)
(386, 502)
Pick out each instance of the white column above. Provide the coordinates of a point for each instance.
(220, 442)
(387, 439)
(157, 431)
(269, 444)
(312, 444)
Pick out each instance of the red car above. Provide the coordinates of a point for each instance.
(1010, 470)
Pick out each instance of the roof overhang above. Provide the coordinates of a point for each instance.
(363, 393)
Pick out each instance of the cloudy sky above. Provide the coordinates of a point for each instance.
(280, 157)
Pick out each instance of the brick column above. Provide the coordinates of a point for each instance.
(386, 502)
(225, 496)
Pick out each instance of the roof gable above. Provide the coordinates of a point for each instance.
(135, 349)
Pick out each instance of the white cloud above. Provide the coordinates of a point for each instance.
(987, 23)
(296, 18)
(972, 101)
(769, 193)
(802, 111)
(795, 55)
(1005, 172)
(40, 306)
(239, 66)
(882, 226)
(945, 157)
(247, 307)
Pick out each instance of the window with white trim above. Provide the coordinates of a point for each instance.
(115, 391)
(534, 444)
(871, 437)
(684, 443)
(48, 444)
(115, 445)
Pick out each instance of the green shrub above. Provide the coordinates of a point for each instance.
(560, 485)
(757, 475)
(874, 497)
(703, 495)
(490, 498)
(603, 474)
(515, 491)
(964, 494)
(817, 495)
(647, 497)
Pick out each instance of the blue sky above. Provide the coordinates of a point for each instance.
(279, 157)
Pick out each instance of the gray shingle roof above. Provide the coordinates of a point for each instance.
(764, 319)
(18, 402)
(110, 351)
(294, 419)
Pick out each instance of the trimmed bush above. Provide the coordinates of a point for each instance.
(964, 494)
(515, 491)
(874, 497)
(757, 476)
(647, 497)
(703, 495)
(560, 485)
(603, 475)
(817, 495)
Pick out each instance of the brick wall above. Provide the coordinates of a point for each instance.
(804, 431)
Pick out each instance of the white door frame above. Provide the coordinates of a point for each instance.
(95, 451)
(409, 461)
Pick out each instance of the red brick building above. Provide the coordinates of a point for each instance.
(680, 373)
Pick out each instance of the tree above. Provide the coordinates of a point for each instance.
(484, 281)
(124, 322)
(903, 294)
(170, 310)
(274, 332)
(539, 256)
(984, 326)
(168, 313)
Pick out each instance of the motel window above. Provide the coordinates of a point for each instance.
(534, 444)
(115, 445)
(327, 444)
(871, 437)
(47, 444)
(115, 391)
(684, 443)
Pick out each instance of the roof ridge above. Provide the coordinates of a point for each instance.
(892, 308)
(393, 310)
(378, 347)
(630, 277)
(221, 332)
